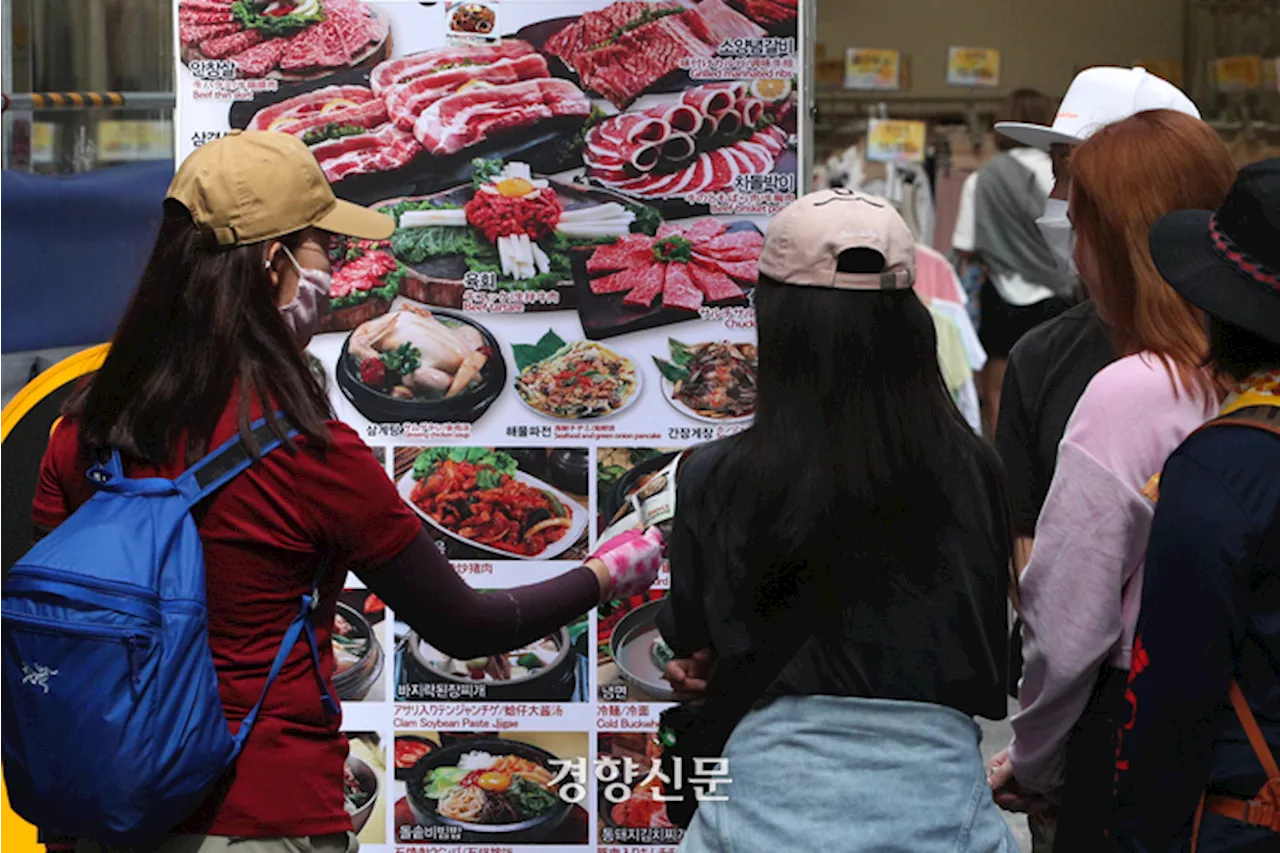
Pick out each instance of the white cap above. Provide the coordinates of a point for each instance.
(1099, 97)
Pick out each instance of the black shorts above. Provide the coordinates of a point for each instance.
(1001, 325)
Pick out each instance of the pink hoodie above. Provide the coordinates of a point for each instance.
(1081, 590)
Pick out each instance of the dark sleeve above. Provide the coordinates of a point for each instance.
(1016, 445)
(1182, 657)
(422, 588)
(682, 618)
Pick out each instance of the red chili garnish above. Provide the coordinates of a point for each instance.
(373, 604)
(373, 372)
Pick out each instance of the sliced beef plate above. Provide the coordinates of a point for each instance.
(647, 285)
(349, 105)
(204, 17)
(712, 281)
(738, 246)
(717, 255)
(221, 47)
(407, 102)
(355, 26)
(623, 280)
(771, 12)
(724, 23)
(620, 51)
(192, 7)
(190, 34)
(261, 59)
(318, 46)
(744, 271)
(678, 290)
(631, 251)
(467, 118)
(395, 72)
(385, 150)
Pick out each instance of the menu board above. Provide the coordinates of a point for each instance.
(580, 190)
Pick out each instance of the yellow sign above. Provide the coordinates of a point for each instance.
(1271, 74)
(828, 73)
(973, 66)
(44, 137)
(872, 69)
(895, 140)
(134, 140)
(1236, 73)
(1166, 69)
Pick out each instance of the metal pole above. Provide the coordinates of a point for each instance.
(806, 98)
(6, 10)
(88, 100)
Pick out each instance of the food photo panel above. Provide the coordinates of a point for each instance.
(579, 192)
(359, 647)
(630, 652)
(513, 503)
(554, 668)
(364, 783)
(627, 774)
(477, 787)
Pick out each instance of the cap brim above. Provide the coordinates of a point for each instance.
(1184, 256)
(352, 220)
(1035, 135)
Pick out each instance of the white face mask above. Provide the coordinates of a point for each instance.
(302, 314)
(1060, 237)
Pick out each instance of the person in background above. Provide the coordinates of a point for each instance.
(1051, 365)
(996, 226)
(1211, 587)
(1049, 368)
(880, 553)
(1079, 593)
(211, 342)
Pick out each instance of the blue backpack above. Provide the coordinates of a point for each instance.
(113, 729)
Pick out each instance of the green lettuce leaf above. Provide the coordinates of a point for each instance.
(527, 354)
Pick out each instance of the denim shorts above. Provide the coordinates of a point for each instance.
(818, 773)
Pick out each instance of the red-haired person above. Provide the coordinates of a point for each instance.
(1080, 592)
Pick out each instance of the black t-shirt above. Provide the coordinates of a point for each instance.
(945, 644)
(1047, 373)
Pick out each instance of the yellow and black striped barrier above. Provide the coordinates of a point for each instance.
(88, 100)
(45, 100)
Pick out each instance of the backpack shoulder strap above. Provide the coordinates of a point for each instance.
(211, 473)
(1254, 733)
(1258, 417)
(230, 459)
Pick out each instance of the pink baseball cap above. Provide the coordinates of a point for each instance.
(804, 241)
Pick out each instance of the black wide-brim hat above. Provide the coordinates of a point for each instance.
(1227, 262)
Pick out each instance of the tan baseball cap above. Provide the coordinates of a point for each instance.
(250, 186)
(803, 243)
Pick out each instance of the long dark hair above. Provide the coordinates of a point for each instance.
(1237, 353)
(842, 482)
(201, 320)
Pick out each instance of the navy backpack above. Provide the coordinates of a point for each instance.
(113, 729)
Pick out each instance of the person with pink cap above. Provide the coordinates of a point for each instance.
(853, 593)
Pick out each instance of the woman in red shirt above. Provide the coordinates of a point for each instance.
(212, 341)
